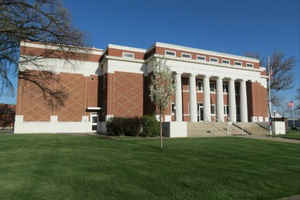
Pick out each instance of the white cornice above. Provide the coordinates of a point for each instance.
(126, 48)
(202, 51)
(205, 62)
(94, 51)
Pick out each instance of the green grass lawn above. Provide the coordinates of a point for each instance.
(62, 167)
(292, 134)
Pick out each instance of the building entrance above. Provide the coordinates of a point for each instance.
(200, 112)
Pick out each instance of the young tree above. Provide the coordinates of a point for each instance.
(298, 99)
(282, 75)
(41, 21)
(162, 87)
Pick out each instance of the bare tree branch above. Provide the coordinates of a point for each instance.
(42, 21)
(282, 72)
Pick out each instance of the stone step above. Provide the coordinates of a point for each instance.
(204, 129)
(254, 128)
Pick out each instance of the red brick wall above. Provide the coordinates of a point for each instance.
(31, 101)
(119, 52)
(259, 100)
(125, 94)
(75, 104)
(81, 92)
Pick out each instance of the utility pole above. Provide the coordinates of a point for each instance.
(270, 103)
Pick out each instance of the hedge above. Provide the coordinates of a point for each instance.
(147, 126)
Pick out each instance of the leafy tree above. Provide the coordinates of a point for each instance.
(40, 21)
(162, 87)
(282, 75)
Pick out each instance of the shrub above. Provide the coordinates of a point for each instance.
(151, 126)
(118, 126)
(147, 126)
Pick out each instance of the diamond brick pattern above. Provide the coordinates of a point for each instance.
(35, 107)
(128, 94)
(74, 107)
(82, 92)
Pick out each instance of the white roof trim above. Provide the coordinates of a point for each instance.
(199, 51)
(44, 46)
(126, 48)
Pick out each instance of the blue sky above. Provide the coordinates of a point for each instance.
(231, 26)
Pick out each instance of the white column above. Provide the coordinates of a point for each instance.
(207, 114)
(193, 98)
(243, 103)
(178, 98)
(220, 100)
(232, 104)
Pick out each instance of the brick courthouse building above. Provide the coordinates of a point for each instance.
(101, 84)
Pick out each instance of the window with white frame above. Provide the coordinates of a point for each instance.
(186, 55)
(225, 61)
(226, 110)
(213, 59)
(213, 109)
(212, 86)
(225, 87)
(237, 63)
(170, 53)
(199, 83)
(202, 58)
(128, 55)
(249, 65)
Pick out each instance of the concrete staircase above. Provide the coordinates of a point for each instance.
(206, 129)
(256, 129)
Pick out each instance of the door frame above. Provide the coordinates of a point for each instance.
(94, 114)
(200, 107)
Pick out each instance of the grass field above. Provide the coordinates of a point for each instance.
(292, 134)
(63, 167)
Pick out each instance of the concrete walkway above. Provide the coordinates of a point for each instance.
(275, 139)
(296, 197)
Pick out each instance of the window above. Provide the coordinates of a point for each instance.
(237, 63)
(173, 108)
(249, 65)
(170, 53)
(202, 58)
(226, 109)
(128, 55)
(199, 84)
(213, 109)
(225, 87)
(227, 62)
(186, 55)
(212, 86)
(213, 59)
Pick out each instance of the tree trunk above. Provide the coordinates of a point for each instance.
(161, 139)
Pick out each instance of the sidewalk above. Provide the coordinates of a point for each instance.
(296, 197)
(275, 139)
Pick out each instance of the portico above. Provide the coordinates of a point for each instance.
(215, 90)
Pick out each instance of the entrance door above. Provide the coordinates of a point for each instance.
(94, 121)
(200, 112)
